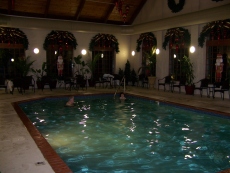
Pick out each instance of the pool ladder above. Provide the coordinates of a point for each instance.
(122, 80)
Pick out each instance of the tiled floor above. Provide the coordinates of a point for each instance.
(18, 151)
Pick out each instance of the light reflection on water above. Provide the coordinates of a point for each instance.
(102, 134)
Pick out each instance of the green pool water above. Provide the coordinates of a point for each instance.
(102, 134)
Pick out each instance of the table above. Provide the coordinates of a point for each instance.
(108, 78)
(211, 88)
(171, 84)
(73, 83)
(60, 82)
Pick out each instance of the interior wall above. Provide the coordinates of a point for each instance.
(37, 37)
(164, 19)
(154, 17)
(154, 10)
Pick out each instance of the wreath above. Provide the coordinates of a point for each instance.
(177, 36)
(106, 40)
(59, 38)
(13, 36)
(148, 36)
(222, 27)
(176, 7)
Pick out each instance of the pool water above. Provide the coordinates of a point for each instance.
(102, 134)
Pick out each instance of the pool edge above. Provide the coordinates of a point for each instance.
(55, 161)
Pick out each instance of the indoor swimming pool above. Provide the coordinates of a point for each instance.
(101, 134)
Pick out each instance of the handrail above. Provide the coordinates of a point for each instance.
(119, 86)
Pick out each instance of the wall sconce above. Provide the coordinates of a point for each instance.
(102, 55)
(192, 49)
(133, 53)
(83, 52)
(36, 50)
(157, 51)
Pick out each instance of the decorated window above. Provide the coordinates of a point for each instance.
(217, 36)
(147, 42)
(178, 40)
(106, 46)
(13, 43)
(59, 47)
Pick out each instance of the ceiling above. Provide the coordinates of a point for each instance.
(97, 11)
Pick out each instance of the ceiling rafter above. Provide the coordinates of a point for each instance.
(47, 8)
(79, 9)
(109, 11)
(95, 11)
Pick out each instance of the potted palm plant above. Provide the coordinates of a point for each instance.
(85, 68)
(92, 67)
(149, 66)
(187, 70)
(80, 65)
(39, 73)
(53, 78)
(23, 66)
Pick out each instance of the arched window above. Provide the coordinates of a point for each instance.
(13, 43)
(147, 42)
(217, 34)
(59, 44)
(106, 46)
(179, 41)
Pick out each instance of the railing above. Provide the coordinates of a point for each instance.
(122, 80)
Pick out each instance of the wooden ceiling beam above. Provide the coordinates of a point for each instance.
(79, 9)
(47, 8)
(109, 11)
(137, 11)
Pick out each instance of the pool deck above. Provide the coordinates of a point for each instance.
(19, 152)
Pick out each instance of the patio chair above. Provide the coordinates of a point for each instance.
(179, 85)
(99, 81)
(24, 83)
(224, 86)
(29, 81)
(116, 80)
(69, 83)
(46, 80)
(18, 83)
(81, 82)
(203, 85)
(164, 81)
(144, 80)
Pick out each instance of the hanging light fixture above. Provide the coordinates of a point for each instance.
(119, 6)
